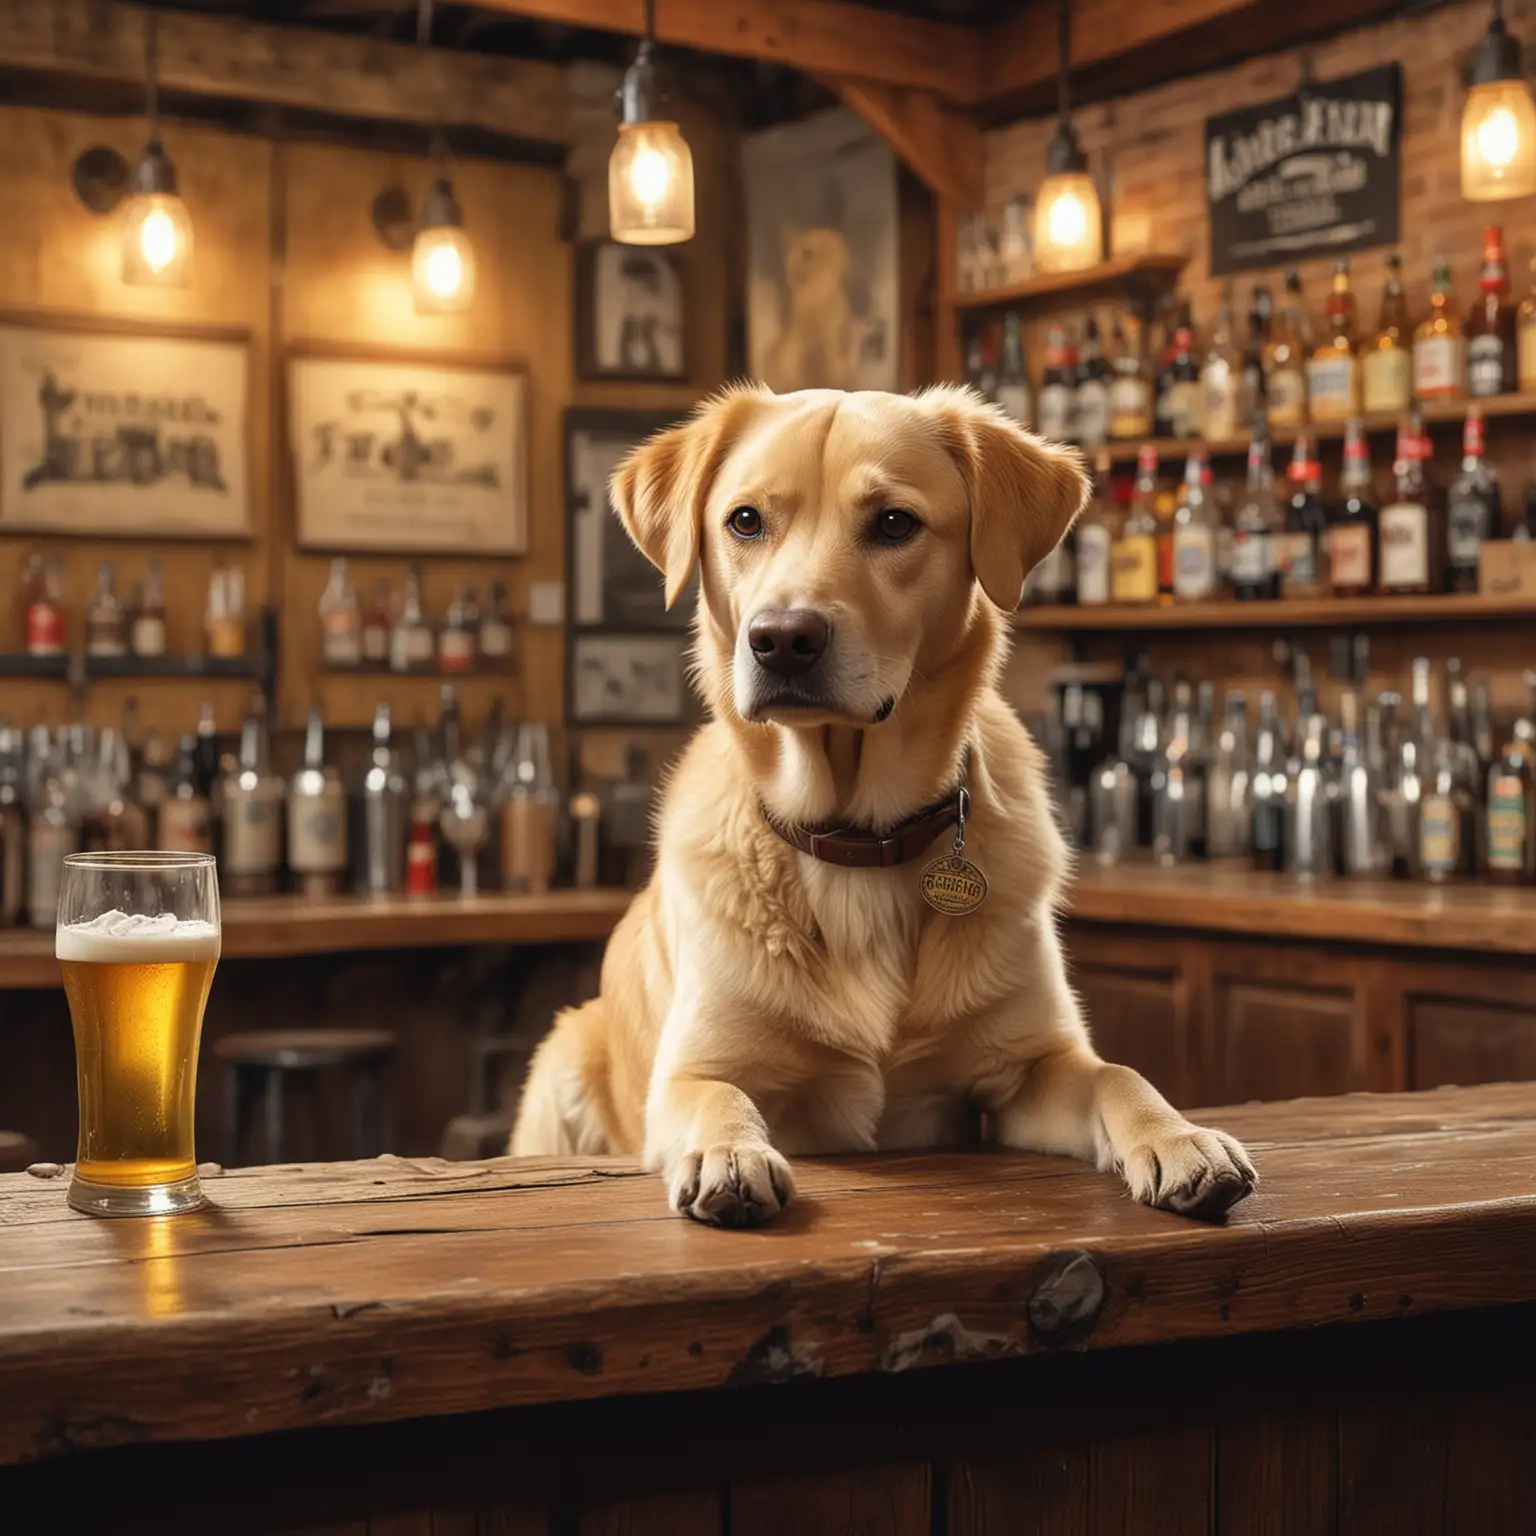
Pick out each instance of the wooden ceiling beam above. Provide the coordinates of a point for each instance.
(821, 37)
(940, 145)
(301, 68)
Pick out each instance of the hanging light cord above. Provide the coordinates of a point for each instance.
(423, 23)
(1063, 92)
(151, 70)
(438, 148)
(650, 21)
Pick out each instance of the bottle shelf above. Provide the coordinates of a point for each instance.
(1279, 615)
(19, 664)
(1436, 413)
(506, 672)
(1065, 290)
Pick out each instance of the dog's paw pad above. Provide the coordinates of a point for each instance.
(1192, 1171)
(734, 1184)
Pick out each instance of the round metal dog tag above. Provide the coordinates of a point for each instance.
(953, 885)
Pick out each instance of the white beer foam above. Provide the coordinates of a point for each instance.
(116, 938)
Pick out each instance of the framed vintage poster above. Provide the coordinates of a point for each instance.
(123, 431)
(629, 680)
(823, 291)
(629, 313)
(408, 454)
(612, 585)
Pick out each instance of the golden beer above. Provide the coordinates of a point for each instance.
(137, 984)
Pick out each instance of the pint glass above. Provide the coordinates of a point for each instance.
(137, 941)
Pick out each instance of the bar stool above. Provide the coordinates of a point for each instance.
(264, 1063)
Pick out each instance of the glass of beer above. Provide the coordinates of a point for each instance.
(137, 941)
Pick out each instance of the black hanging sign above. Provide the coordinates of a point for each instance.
(1313, 174)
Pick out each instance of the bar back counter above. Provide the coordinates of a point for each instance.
(956, 1343)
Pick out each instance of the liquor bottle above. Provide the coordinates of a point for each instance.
(1252, 395)
(224, 616)
(1227, 812)
(341, 619)
(1285, 379)
(1256, 524)
(1525, 334)
(1439, 346)
(1054, 581)
(1333, 369)
(1363, 847)
(1184, 412)
(1446, 818)
(1386, 367)
(1194, 535)
(106, 623)
(146, 635)
(184, 821)
(1266, 840)
(375, 636)
(1510, 821)
(411, 643)
(1301, 545)
(52, 835)
(1492, 361)
(206, 749)
(1310, 797)
(1526, 527)
(1352, 523)
(973, 360)
(1130, 395)
(1412, 524)
(530, 814)
(1096, 533)
(1133, 561)
(987, 379)
(1058, 385)
(1221, 380)
(1012, 384)
(1474, 510)
(1161, 363)
(456, 639)
(384, 806)
(42, 594)
(1093, 384)
(251, 795)
(496, 627)
(317, 818)
(13, 826)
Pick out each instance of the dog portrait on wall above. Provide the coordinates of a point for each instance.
(823, 288)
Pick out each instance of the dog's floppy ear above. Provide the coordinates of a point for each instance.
(660, 488)
(1024, 492)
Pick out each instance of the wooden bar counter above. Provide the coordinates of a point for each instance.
(961, 1343)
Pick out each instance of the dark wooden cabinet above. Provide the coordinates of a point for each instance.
(1137, 1005)
(1461, 1040)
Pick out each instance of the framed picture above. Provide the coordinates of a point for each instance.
(408, 454)
(123, 431)
(629, 680)
(612, 585)
(823, 294)
(629, 312)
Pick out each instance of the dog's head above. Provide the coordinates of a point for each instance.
(815, 260)
(842, 538)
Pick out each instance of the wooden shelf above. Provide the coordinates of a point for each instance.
(171, 666)
(20, 664)
(1063, 290)
(1437, 413)
(1299, 613)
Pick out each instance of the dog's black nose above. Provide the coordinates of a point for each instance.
(788, 641)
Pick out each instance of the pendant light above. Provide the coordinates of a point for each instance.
(157, 229)
(1498, 123)
(650, 172)
(1069, 223)
(442, 257)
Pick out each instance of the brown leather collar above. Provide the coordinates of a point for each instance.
(859, 848)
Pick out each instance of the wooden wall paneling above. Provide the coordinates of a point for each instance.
(1277, 1471)
(1491, 1468)
(1393, 1462)
(861, 1501)
(1468, 1021)
(695, 1513)
(1034, 1490)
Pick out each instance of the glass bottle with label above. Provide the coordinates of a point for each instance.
(1130, 395)
(1160, 364)
(1194, 535)
(13, 825)
(1352, 523)
(1386, 367)
(412, 646)
(530, 814)
(1256, 524)
(375, 638)
(1510, 828)
(317, 818)
(1093, 384)
(106, 621)
(456, 640)
(1268, 787)
(1301, 562)
(341, 619)
(1474, 511)
(1133, 560)
(42, 593)
(1252, 394)
(1525, 334)
(252, 798)
(496, 627)
(1058, 385)
(146, 634)
(1184, 412)
(1333, 369)
(52, 835)
(1412, 524)
(1285, 378)
(184, 820)
(1012, 385)
(1096, 532)
(1492, 360)
(224, 616)
(1165, 503)
(1221, 380)
(1447, 815)
(1439, 345)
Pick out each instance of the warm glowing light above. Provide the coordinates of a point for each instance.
(650, 185)
(157, 240)
(442, 271)
(1498, 142)
(445, 271)
(1069, 227)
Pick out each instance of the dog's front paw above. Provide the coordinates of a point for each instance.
(734, 1184)
(1190, 1170)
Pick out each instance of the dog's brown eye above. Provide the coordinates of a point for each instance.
(894, 526)
(745, 523)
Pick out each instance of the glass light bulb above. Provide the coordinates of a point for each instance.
(650, 178)
(445, 271)
(1498, 137)
(442, 271)
(1498, 142)
(1068, 219)
(1069, 223)
(157, 240)
(650, 185)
